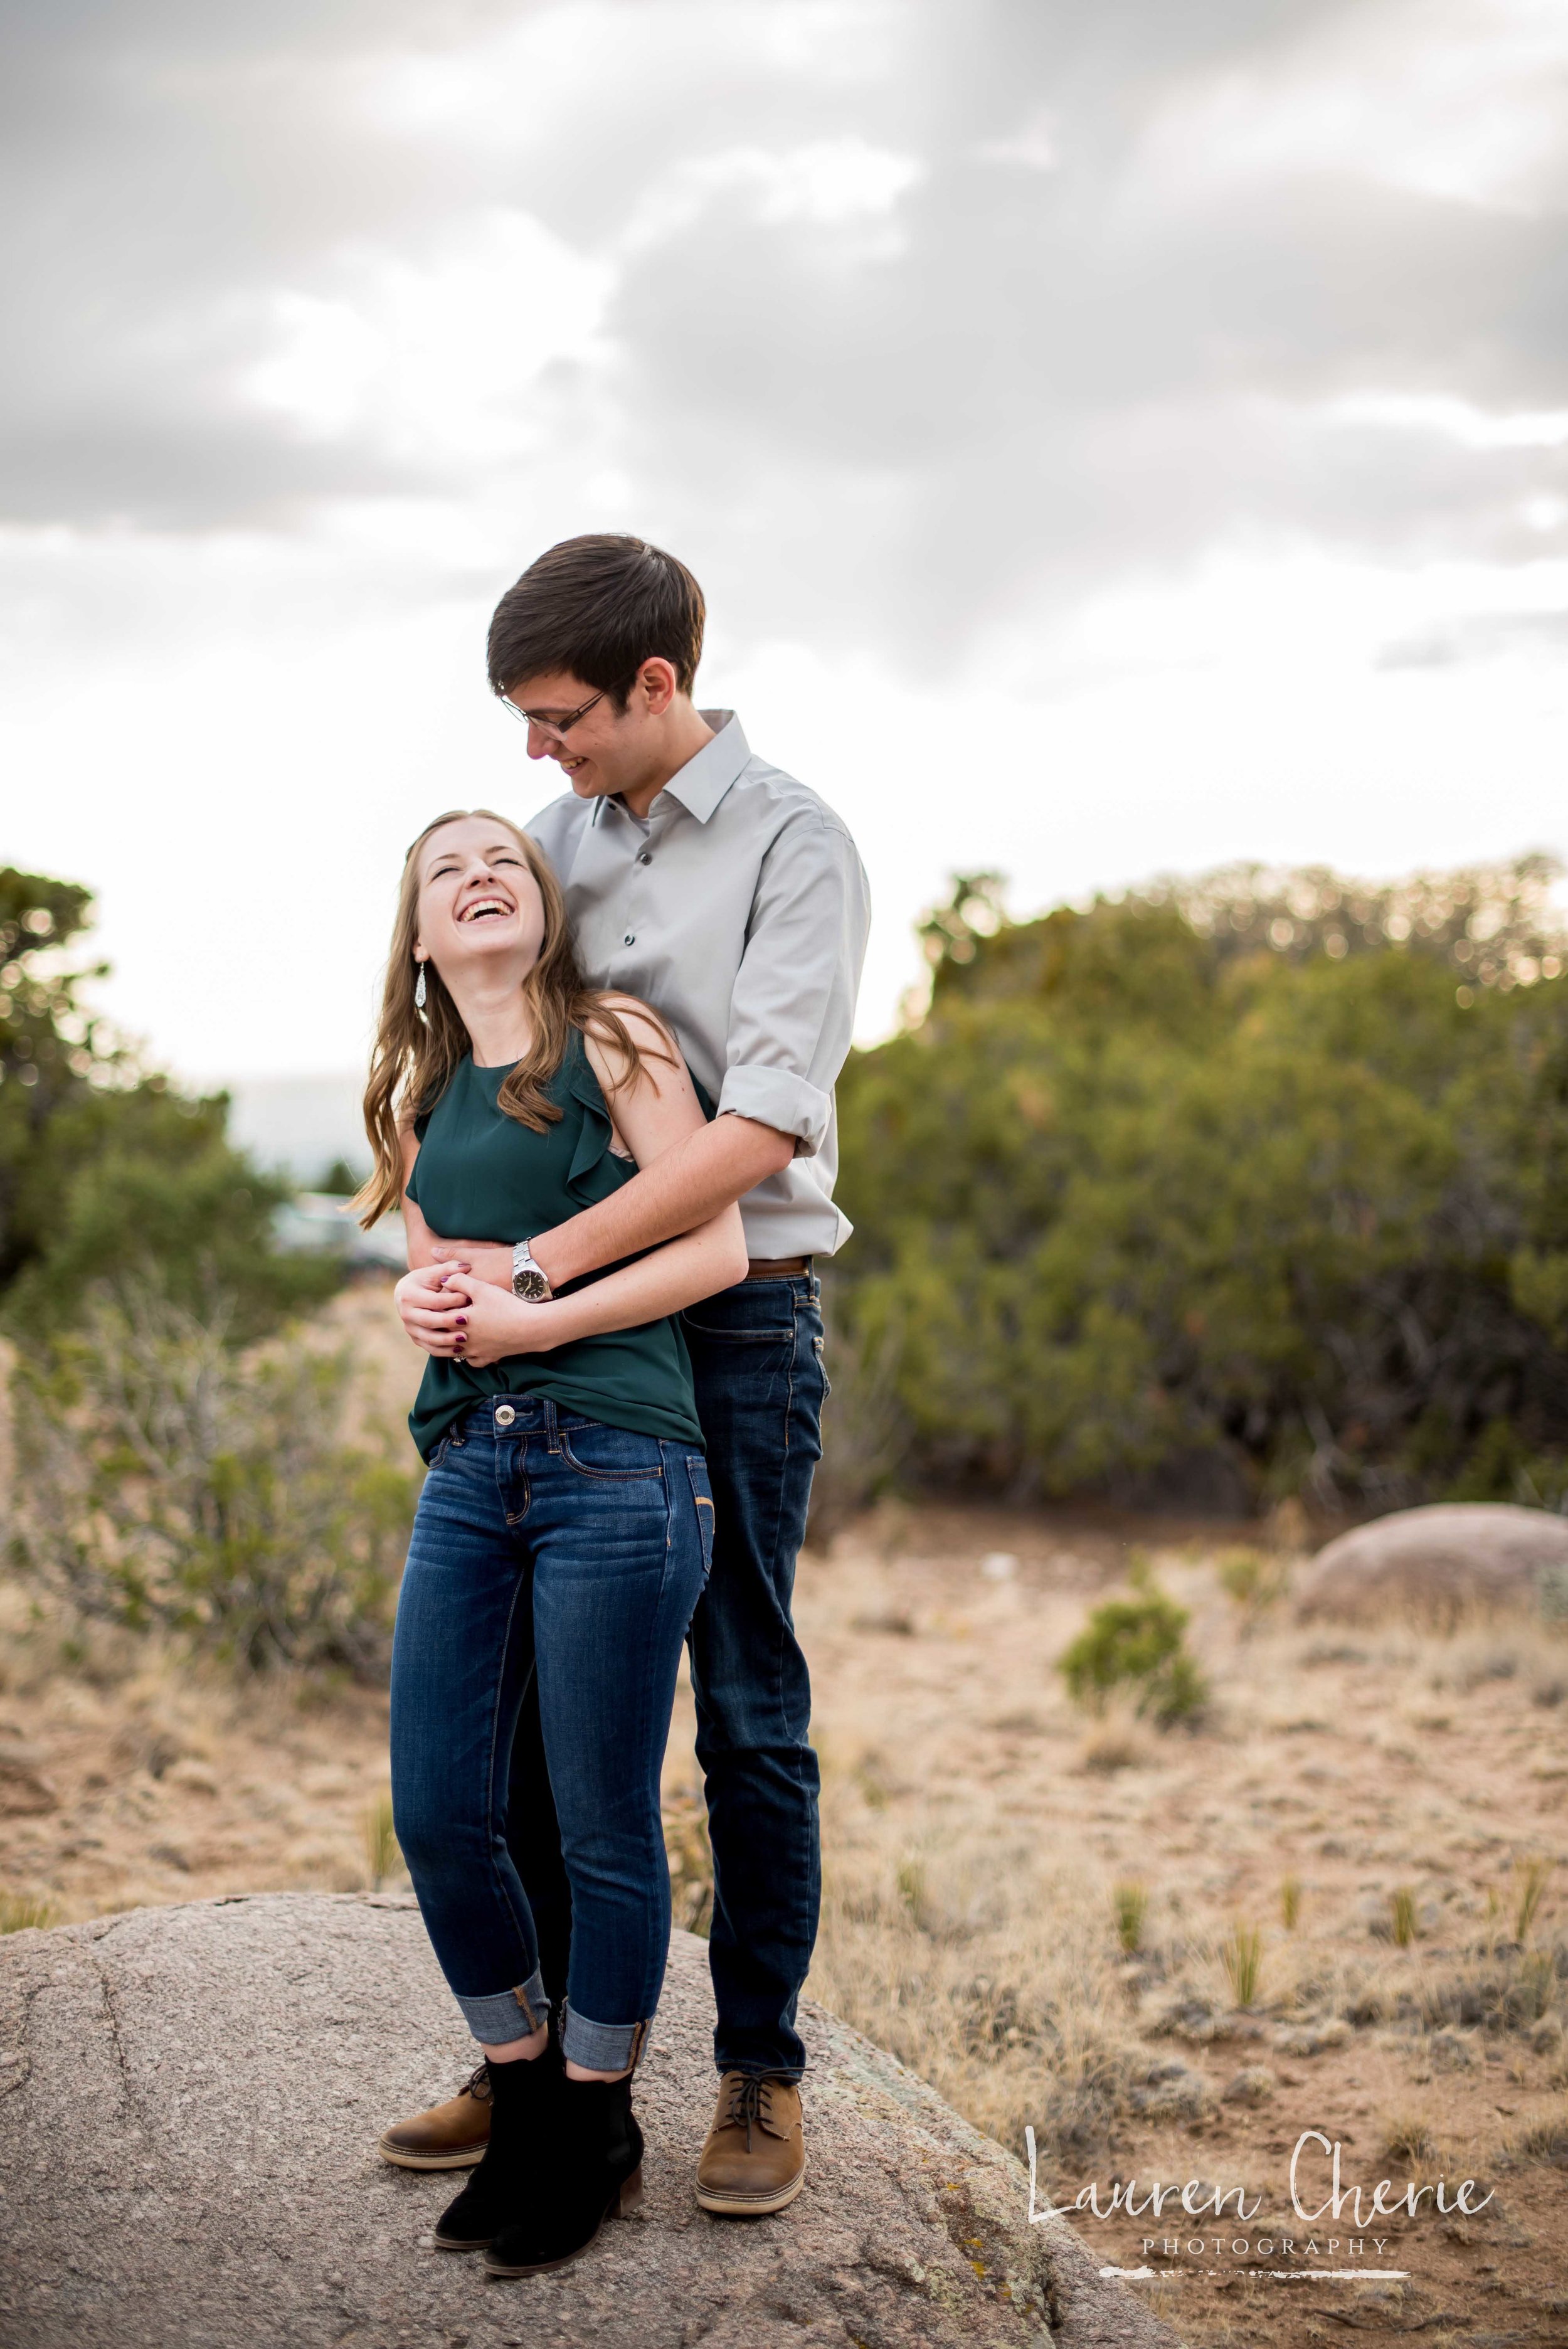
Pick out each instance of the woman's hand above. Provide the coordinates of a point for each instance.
(490, 1323)
(428, 1312)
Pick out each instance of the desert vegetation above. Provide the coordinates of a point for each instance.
(1218, 1191)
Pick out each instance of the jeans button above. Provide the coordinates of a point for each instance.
(504, 1414)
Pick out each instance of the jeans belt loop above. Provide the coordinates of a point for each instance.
(551, 1428)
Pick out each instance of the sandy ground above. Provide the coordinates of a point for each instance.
(980, 1834)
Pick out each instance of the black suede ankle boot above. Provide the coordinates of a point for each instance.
(523, 2134)
(596, 2169)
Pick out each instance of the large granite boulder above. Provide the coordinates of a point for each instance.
(188, 2104)
(1439, 1565)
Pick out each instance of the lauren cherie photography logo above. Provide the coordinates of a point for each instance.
(1330, 2218)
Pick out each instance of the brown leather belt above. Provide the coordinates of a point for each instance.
(780, 1267)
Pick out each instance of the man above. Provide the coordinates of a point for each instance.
(727, 895)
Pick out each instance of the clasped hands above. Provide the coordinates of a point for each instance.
(463, 1307)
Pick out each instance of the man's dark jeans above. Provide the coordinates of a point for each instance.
(756, 1352)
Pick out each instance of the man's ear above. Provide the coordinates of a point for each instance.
(657, 682)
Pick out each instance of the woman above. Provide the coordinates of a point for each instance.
(565, 1527)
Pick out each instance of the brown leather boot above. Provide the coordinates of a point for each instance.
(755, 2157)
(452, 2136)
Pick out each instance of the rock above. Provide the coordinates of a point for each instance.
(1254, 2084)
(1439, 1564)
(187, 2157)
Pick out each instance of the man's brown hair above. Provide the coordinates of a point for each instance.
(598, 607)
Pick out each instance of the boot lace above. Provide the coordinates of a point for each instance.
(751, 2100)
(478, 2086)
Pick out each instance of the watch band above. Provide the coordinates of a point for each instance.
(529, 1280)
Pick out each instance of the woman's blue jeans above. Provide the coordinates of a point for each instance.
(550, 1552)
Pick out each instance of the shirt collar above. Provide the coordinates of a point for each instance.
(702, 782)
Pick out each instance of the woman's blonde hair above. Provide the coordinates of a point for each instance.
(416, 1052)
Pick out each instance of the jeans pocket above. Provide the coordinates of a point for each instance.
(612, 1455)
(697, 1469)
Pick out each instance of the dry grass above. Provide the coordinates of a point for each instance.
(1035, 1915)
(1032, 1917)
(383, 1860)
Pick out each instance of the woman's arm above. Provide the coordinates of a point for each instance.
(491, 1322)
(424, 1310)
(652, 1108)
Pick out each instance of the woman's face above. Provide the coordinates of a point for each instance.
(481, 913)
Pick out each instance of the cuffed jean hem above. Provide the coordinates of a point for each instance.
(600, 2046)
(504, 2015)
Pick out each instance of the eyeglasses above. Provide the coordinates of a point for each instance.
(556, 727)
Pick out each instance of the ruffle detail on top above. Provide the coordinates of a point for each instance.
(597, 1130)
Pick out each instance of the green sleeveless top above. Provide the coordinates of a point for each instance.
(480, 1175)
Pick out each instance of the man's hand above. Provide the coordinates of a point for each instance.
(429, 1312)
(486, 1259)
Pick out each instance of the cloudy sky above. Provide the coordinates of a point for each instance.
(1112, 438)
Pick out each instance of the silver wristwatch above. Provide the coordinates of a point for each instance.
(529, 1280)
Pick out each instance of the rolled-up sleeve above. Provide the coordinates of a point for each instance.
(792, 1010)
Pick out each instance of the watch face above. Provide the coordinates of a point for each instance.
(530, 1285)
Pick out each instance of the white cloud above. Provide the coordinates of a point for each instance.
(826, 183)
(1459, 99)
(1452, 419)
(429, 356)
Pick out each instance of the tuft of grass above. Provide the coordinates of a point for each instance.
(1408, 2137)
(382, 1856)
(1130, 1906)
(1545, 2138)
(1253, 1580)
(910, 1880)
(19, 1914)
(1290, 1902)
(1531, 1878)
(1114, 1745)
(1403, 1924)
(1242, 1955)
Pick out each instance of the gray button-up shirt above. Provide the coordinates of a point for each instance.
(739, 911)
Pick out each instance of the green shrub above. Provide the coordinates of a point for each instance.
(167, 1482)
(106, 1169)
(1241, 1185)
(1137, 1640)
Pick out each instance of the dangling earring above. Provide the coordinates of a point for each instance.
(419, 989)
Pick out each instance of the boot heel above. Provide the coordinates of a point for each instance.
(631, 2194)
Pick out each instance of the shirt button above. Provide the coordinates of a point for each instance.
(630, 939)
(646, 857)
(504, 1414)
